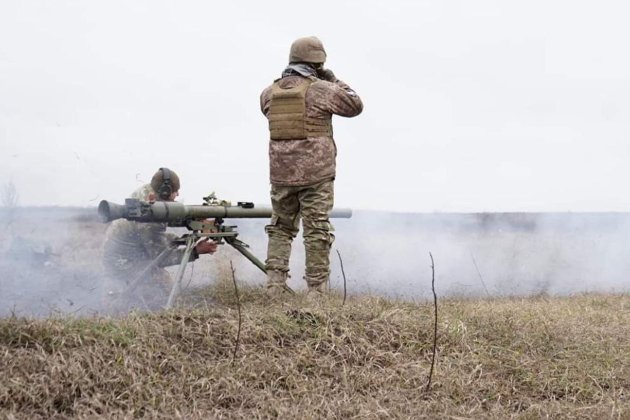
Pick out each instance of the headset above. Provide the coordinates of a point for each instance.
(166, 188)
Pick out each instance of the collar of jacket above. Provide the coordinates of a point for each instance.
(299, 69)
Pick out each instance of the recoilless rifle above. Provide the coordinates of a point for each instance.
(205, 222)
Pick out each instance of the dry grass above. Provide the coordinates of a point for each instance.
(529, 358)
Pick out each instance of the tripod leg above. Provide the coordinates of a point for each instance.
(190, 243)
(242, 248)
(125, 295)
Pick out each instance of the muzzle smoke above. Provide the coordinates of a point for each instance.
(50, 258)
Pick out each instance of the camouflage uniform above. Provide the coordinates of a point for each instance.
(130, 247)
(302, 173)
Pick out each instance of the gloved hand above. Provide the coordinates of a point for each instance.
(326, 74)
(206, 247)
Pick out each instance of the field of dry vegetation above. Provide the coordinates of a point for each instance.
(497, 358)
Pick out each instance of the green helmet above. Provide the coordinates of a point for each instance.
(307, 50)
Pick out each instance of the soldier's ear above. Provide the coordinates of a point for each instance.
(151, 197)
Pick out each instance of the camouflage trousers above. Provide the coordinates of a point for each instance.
(312, 204)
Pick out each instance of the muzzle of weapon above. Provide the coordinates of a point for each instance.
(177, 214)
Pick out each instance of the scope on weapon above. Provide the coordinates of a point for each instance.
(177, 214)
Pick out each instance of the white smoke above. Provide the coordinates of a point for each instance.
(50, 257)
(496, 254)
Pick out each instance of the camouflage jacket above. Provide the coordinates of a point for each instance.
(312, 160)
(129, 246)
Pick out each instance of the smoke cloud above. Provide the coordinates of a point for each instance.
(50, 256)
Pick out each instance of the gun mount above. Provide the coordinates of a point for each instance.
(205, 221)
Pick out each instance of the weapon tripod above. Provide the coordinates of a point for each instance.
(217, 232)
(200, 230)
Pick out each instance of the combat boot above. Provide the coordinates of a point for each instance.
(316, 292)
(277, 283)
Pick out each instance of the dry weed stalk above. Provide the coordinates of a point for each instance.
(483, 283)
(344, 278)
(435, 331)
(238, 306)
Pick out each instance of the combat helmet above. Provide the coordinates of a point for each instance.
(307, 50)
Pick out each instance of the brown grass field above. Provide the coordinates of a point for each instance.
(531, 358)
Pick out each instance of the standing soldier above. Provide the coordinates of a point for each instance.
(302, 152)
(131, 246)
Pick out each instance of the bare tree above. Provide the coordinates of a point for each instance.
(9, 196)
(9, 200)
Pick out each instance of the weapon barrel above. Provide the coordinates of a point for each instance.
(178, 213)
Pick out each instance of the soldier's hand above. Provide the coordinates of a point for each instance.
(206, 247)
(326, 74)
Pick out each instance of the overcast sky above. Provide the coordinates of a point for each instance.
(469, 105)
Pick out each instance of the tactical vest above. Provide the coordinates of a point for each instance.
(287, 114)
